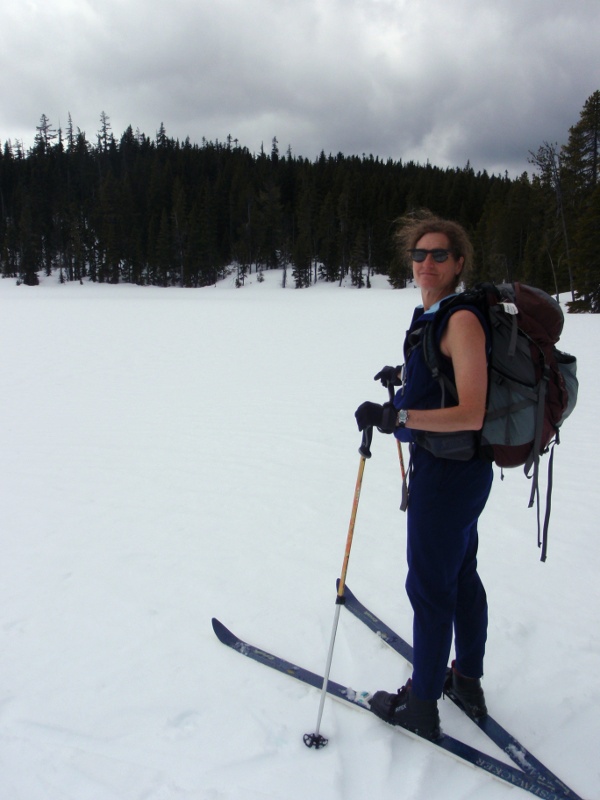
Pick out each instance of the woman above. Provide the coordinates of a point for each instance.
(446, 496)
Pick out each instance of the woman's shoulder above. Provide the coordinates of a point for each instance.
(464, 327)
(465, 316)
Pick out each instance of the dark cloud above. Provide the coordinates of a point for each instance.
(429, 80)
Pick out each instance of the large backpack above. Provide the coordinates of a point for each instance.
(532, 386)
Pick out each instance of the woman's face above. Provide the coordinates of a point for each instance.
(435, 277)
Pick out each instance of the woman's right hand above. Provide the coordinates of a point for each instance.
(389, 376)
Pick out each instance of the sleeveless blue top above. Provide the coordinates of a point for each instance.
(419, 388)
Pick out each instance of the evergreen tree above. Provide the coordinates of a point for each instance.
(45, 135)
(581, 165)
(328, 240)
(581, 153)
(358, 260)
(269, 226)
(304, 247)
(164, 251)
(302, 260)
(548, 160)
(587, 247)
(105, 137)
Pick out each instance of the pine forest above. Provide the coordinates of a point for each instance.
(169, 213)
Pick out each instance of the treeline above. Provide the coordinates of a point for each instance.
(164, 212)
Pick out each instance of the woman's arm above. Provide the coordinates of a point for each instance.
(464, 343)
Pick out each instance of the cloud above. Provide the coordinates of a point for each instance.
(421, 80)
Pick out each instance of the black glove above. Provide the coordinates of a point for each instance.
(375, 415)
(389, 376)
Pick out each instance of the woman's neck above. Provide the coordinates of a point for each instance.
(431, 298)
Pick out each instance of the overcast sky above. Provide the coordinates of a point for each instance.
(448, 81)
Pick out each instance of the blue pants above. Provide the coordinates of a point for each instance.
(445, 591)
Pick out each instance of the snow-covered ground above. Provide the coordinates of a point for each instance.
(170, 455)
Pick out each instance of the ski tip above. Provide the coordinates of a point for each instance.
(347, 593)
(221, 631)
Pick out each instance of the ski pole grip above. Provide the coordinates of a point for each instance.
(365, 445)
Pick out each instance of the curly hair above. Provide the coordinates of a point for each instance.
(415, 225)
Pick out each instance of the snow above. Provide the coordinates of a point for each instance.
(171, 455)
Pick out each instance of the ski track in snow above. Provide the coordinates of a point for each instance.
(171, 455)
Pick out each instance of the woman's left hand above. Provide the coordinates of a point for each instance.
(374, 415)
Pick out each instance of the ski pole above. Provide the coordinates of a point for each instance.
(315, 739)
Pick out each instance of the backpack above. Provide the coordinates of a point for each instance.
(532, 386)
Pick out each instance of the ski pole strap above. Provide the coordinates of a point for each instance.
(365, 446)
(404, 500)
(533, 460)
(548, 505)
(405, 480)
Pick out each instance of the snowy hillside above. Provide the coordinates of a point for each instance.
(171, 455)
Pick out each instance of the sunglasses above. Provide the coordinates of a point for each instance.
(438, 254)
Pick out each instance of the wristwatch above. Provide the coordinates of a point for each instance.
(402, 418)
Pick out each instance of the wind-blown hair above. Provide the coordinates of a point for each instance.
(415, 225)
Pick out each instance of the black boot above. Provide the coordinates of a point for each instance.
(406, 710)
(467, 691)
